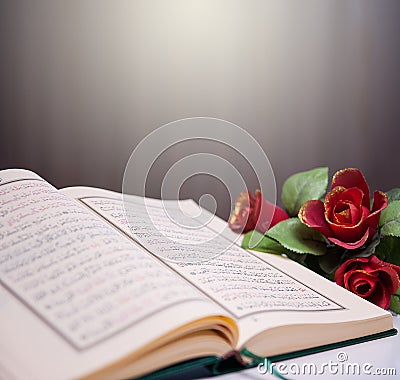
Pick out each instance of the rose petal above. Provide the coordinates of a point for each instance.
(380, 263)
(312, 215)
(345, 212)
(268, 214)
(353, 195)
(354, 274)
(257, 201)
(373, 263)
(357, 278)
(350, 245)
(380, 297)
(242, 217)
(355, 214)
(346, 233)
(352, 177)
(349, 234)
(389, 281)
(380, 203)
(279, 215)
(363, 287)
(388, 277)
(348, 265)
(341, 213)
(340, 194)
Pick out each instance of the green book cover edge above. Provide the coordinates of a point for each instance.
(168, 372)
(217, 366)
(314, 350)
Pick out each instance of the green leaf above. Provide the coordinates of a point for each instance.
(302, 187)
(364, 251)
(299, 257)
(389, 221)
(395, 302)
(389, 250)
(393, 195)
(330, 262)
(258, 242)
(336, 256)
(268, 245)
(297, 237)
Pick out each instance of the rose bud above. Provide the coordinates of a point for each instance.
(369, 278)
(254, 213)
(345, 217)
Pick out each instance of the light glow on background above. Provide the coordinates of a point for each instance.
(315, 82)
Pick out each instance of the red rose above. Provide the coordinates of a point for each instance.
(346, 217)
(254, 213)
(369, 278)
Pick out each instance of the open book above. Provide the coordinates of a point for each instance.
(85, 294)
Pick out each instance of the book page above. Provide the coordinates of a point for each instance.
(80, 277)
(258, 290)
(235, 279)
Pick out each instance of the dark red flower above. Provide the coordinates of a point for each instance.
(254, 213)
(369, 278)
(346, 217)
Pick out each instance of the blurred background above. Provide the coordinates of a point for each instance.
(315, 82)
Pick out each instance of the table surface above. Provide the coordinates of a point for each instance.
(375, 359)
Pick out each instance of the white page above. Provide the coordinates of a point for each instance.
(75, 293)
(258, 290)
(237, 280)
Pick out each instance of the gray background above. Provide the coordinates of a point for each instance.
(315, 82)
